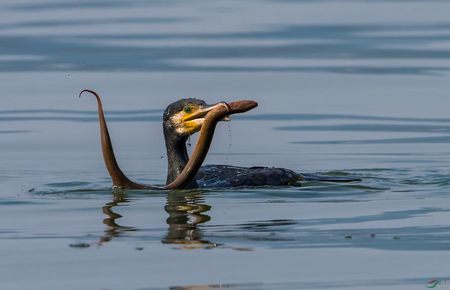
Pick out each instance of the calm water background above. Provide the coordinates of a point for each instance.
(344, 87)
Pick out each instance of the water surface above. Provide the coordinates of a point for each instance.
(344, 87)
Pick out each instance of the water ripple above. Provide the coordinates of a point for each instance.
(103, 51)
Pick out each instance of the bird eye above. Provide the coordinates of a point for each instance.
(187, 109)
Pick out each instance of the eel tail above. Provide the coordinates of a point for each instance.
(119, 179)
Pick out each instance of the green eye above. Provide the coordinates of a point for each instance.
(187, 109)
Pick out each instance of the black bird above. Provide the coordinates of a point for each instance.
(179, 122)
(176, 134)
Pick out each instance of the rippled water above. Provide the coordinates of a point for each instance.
(344, 87)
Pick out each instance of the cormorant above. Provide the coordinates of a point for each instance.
(176, 134)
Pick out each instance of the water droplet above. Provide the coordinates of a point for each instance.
(229, 139)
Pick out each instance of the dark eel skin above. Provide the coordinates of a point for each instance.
(205, 119)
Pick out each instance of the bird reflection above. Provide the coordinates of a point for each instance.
(186, 211)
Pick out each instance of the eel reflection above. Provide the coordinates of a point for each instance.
(113, 229)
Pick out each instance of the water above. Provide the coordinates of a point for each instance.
(344, 87)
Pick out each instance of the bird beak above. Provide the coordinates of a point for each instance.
(235, 107)
(201, 113)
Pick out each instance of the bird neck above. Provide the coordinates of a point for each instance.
(177, 158)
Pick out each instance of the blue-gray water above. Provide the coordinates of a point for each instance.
(344, 87)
